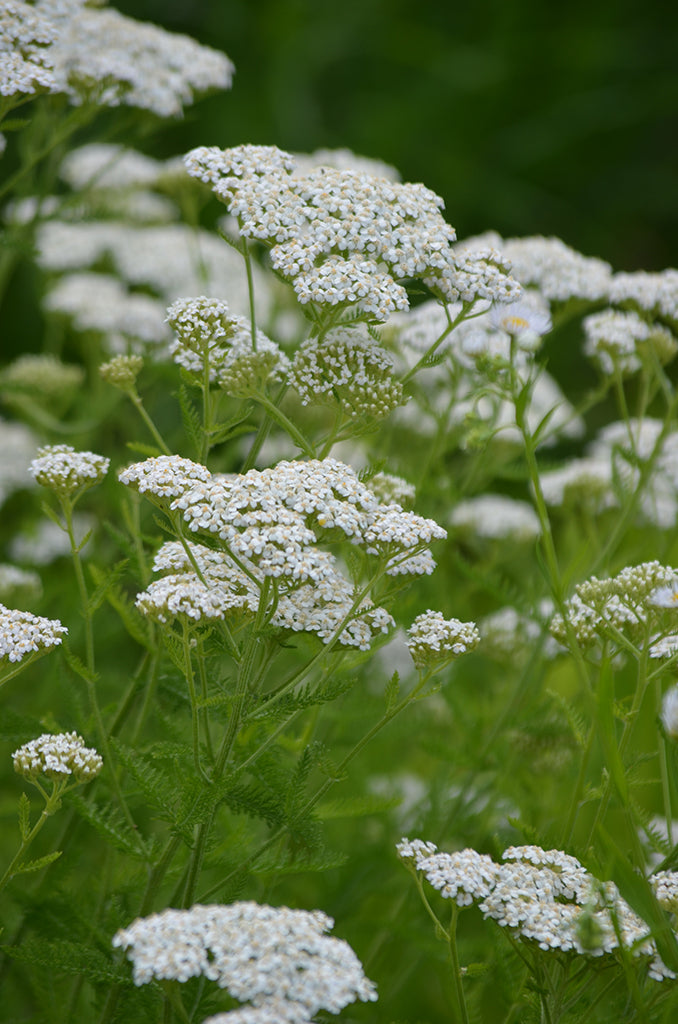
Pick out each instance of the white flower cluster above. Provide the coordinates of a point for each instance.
(42, 375)
(655, 292)
(66, 471)
(623, 604)
(586, 482)
(122, 371)
(100, 54)
(392, 489)
(341, 238)
(272, 521)
(432, 639)
(496, 517)
(615, 340)
(101, 303)
(23, 633)
(43, 542)
(207, 330)
(559, 272)
(57, 755)
(346, 367)
(18, 444)
(221, 587)
(273, 958)
(106, 165)
(545, 896)
(165, 260)
(473, 275)
(26, 65)
(509, 632)
(15, 582)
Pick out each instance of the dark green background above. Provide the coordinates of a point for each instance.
(526, 117)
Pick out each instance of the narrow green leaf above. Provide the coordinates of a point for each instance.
(24, 816)
(607, 733)
(638, 893)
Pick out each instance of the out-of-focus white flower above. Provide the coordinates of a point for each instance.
(100, 54)
(496, 516)
(669, 713)
(270, 957)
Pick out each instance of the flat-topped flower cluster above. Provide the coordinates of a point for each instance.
(270, 524)
(280, 961)
(626, 605)
(546, 896)
(346, 239)
(56, 756)
(23, 633)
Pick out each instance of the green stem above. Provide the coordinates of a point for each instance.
(456, 970)
(155, 433)
(195, 720)
(67, 509)
(389, 715)
(301, 442)
(451, 324)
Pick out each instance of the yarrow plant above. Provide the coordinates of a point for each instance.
(324, 525)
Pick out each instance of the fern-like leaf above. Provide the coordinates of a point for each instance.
(111, 826)
(70, 958)
(36, 865)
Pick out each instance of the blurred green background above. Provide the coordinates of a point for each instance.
(526, 117)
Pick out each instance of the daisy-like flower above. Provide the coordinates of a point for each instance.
(66, 471)
(273, 958)
(665, 597)
(56, 756)
(519, 319)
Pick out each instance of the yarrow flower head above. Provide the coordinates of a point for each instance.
(343, 239)
(66, 471)
(57, 756)
(496, 516)
(275, 523)
(208, 334)
(269, 957)
(625, 603)
(23, 633)
(101, 55)
(122, 371)
(433, 639)
(26, 63)
(346, 368)
(617, 341)
(544, 896)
